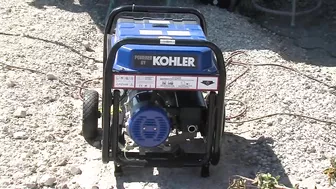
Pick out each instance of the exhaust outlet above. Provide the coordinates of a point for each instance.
(192, 128)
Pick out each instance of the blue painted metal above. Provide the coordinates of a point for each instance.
(149, 126)
(131, 28)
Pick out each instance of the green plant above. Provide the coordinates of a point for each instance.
(262, 181)
(266, 181)
(331, 171)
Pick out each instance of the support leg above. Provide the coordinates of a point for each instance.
(117, 170)
(205, 171)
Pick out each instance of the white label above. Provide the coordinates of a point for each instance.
(179, 33)
(145, 81)
(167, 41)
(150, 32)
(126, 81)
(207, 83)
(159, 21)
(176, 82)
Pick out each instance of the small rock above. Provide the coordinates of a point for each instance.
(20, 135)
(87, 47)
(47, 180)
(29, 154)
(51, 76)
(41, 169)
(10, 84)
(287, 100)
(75, 170)
(32, 183)
(64, 186)
(269, 123)
(91, 62)
(63, 162)
(20, 112)
(95, 187)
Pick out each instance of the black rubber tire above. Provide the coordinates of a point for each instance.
(215, 156)
(90, 114)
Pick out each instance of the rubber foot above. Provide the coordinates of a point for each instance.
(205, 171)
(118, 171)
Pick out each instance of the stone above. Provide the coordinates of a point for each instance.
(10, 83)
(32, 183)
(75, 170)
(87, 46)
(269, 122)
(47, 180)
(20, 135)
(20, 112)
(62, 162)
(64, 186)
(51, 76)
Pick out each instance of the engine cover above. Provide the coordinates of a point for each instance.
(148, 126)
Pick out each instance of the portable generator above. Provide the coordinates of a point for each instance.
(163, 92)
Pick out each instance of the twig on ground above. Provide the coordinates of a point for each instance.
(52, 42)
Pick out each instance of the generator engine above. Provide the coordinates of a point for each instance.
(148, 122)
(152, 115)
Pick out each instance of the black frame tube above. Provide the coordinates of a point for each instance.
(107, 95)
(148, 9)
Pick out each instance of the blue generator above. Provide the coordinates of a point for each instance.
(163, 92)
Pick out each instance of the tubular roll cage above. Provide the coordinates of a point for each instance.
(216, 114)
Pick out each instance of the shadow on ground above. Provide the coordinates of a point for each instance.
(239, 157)
(315, 32)
(97, 9)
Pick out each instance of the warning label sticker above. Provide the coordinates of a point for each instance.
(207, 83)
(176, 82)
(145, 81)
(181, 82)
(125, 81)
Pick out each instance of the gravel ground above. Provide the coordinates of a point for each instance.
(40, 117)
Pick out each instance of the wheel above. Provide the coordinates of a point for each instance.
(215, 153)
(215, 157)
(90, 114)
(205, 171)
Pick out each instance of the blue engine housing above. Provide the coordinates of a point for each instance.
(148, 126)
(139, 58)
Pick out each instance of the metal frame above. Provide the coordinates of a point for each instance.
(146, 9)
(112, 4)
(216, 111)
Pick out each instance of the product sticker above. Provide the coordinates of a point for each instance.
(150, 32)
(207, 83)
(159, 21)
(145, 81)
(124, 81)
(178, 33)
(176, 82)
